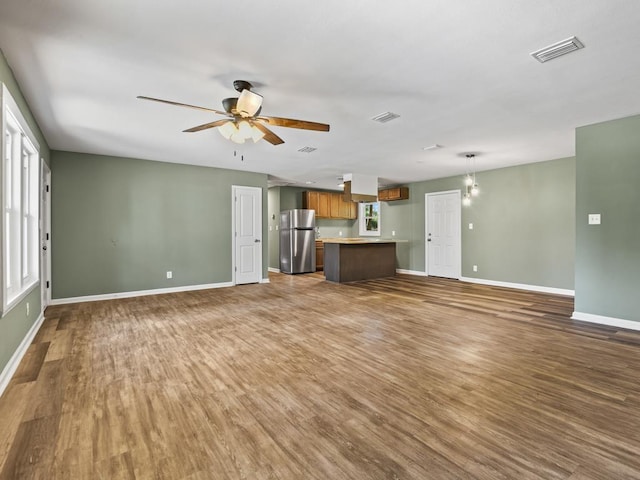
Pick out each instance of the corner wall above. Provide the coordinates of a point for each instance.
(608, 255)
(15, 325)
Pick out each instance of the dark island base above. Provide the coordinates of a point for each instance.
(349, 262)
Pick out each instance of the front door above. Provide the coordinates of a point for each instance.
(247, 230)
(443, 239)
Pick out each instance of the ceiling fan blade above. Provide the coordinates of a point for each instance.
(292, 123)
(204, 126)
(219, 112)
(269, 136)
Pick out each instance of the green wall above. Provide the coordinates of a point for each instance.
(608, 255)
(523, 224)
(16, 323)
(119, 224)
(274, 222)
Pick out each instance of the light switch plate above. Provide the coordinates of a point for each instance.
(471, 226)
(594, 219)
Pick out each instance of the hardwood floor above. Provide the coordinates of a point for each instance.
(400, 378)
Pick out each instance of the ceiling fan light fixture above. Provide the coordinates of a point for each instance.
(245, 108)
(237, 138)
(248, 103)
(228, 129)
(244, 129)
(256, 134)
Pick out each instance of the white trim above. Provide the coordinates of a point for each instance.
(16, 358)
(611, 321)
(139, 293)
(411, 272)
(362, 229)
(265, 280)
(274, 270)
(520, 286)
(9, 107)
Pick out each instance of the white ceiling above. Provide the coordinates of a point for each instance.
(458, 73)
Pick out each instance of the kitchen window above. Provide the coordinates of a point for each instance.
(369, 219)
(20, 205)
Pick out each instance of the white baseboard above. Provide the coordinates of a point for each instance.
(15, 359)
(611, 321)
(265, 280)
(139, 293)
(411, 272)
(520, 286)
(274, 270)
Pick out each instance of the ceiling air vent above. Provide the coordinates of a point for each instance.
(385, 117)
(557, 49)
(307, 149)
(435, 146)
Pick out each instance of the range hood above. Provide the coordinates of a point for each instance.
(360, 188)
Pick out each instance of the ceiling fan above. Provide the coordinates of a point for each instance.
(243, 120)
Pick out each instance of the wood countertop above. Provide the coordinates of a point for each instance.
(358, 240)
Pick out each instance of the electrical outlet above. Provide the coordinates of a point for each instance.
(340, 233)
(471, 226)
(393, 233)
(169, 274)
(475, 268)
(27, 309)
(594, 219)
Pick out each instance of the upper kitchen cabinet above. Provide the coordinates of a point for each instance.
(318, 201)
(391, 194)
(329, 205)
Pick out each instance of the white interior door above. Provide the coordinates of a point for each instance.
(45, 236)
(247, 229)
(443, 234)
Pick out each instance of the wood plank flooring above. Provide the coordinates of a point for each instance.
(399, 378)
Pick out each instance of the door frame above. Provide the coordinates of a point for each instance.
(234, 189)
(45, 235)
(426, 230)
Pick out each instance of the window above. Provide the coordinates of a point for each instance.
(20, 202)
(369, 219)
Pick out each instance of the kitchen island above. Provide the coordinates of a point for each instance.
(352, 259)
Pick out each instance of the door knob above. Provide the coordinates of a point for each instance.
(257, 240)
(44, 247)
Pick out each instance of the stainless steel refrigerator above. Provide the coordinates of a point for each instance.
(297, 241)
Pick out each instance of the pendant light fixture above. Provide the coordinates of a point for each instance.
(470, 183)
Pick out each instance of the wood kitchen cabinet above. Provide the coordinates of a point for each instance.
(392, 194)
(319, 255)
(329, 205)
(318, 201)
